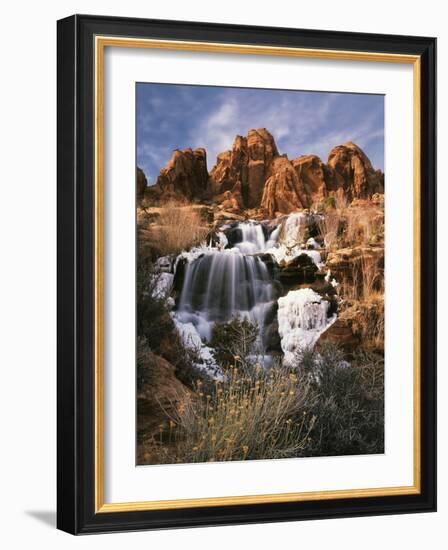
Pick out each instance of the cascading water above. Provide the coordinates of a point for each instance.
(221, 284)
(228, 280)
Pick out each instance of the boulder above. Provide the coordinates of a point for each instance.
(353, 266)
(232, 200)
(299, 270)
(341, 334)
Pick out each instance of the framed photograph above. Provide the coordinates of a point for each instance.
(246, 274)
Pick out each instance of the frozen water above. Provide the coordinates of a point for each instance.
(302, 318)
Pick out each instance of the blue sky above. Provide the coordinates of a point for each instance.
(171, 116)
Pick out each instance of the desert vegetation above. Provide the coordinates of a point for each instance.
(173, 227)
(320, 406)
(343, 225)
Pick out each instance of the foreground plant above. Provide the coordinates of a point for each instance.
(243, 418)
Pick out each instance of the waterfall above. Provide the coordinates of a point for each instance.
(223, 283)
(230, 279)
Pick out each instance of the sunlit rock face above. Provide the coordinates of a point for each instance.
(350, 171)
(246, 167)
(254, 175)
(185, 175)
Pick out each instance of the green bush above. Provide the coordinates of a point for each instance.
(234, 341)
(347, 401)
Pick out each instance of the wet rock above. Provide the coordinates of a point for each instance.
(299, 270)
(234, 235)
(272, 341)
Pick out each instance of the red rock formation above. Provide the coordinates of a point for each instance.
(350, 169)
(249, 163)
(253, 174)
(311, 173)
(282, 191)
(232, 200)
(185, 175)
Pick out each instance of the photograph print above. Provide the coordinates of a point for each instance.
(259, 274)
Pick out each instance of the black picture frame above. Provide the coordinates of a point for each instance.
(76, 270)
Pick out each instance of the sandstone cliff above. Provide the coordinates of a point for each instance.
(185, 176)
(253, 175)
(351, 170)
(248, 164)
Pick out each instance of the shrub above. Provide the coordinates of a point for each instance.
(329, 202)
(234, 340)
(153, 318)
(181, 227)
(243, 418)
(322, 407)
(347, 401)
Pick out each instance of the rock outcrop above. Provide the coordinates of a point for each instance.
(349, 169)
(247, 164)
(253, 175)
(311, 172)
(185, 176)
(282, 191)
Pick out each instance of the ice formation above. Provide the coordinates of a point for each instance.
(302, 318)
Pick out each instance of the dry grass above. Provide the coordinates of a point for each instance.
(348, 226)
(364, 281)
(180, 228)
(242, 418)
(363, 292)
(329, 227)
(362, 226)
(367, 322)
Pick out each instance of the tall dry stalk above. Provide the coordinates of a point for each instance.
(364, 281)
(328, 225)
(362, 226)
